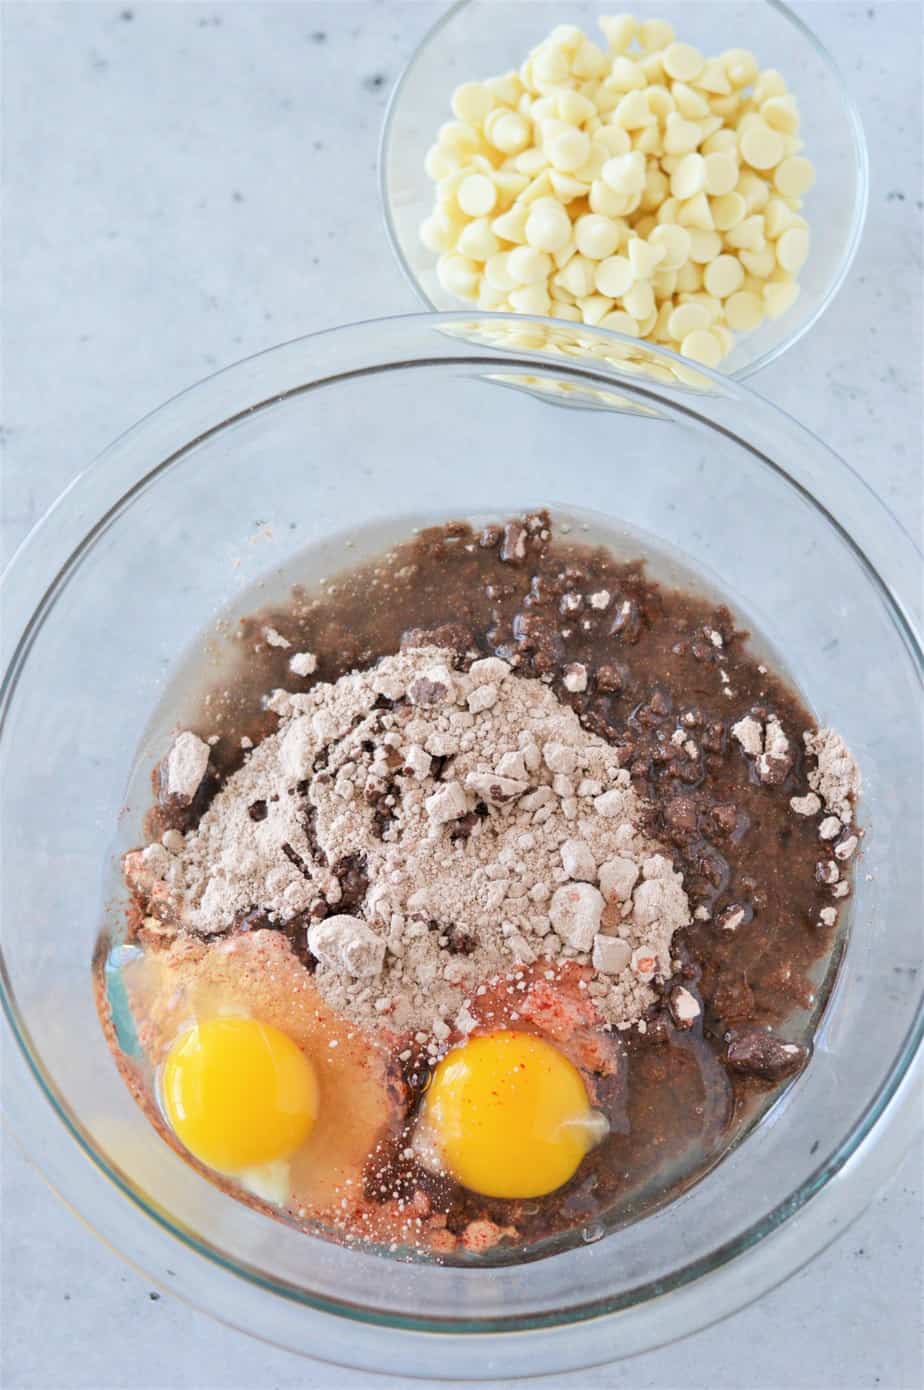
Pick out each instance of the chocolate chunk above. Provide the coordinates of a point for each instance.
(463, 827)
(713, 868)
(535, 631)
(295, 858)
(723, 817)
(454, 636)
(609, 678)
(713, 738)
(774, 771)
(459, 942)
(660, 703)
(310, 827)
(759, 1053)
(542, 592)
(664, 753)
(354, 881)
(733, 998)
(689, 771)
(680, 815)
(256, 919)
(537, 636)
(627, 621)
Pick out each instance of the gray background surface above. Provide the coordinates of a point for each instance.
(185, 184)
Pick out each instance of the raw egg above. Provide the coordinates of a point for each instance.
(508, 1116)
(239, 1094)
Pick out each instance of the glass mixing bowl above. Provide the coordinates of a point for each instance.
(449, 415)
(480, 38)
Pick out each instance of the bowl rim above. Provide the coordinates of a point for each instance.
(860, 148)
(852, 1161)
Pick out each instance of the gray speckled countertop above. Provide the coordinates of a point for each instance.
(145, 244)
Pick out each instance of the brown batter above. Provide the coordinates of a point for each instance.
(657, 661)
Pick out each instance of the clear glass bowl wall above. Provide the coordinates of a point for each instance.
(480, 38)
(227, 483)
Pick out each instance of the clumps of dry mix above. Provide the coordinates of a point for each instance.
(835, 781)
(434, 829)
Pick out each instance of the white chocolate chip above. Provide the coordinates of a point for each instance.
(703, 347)
(596, 236)
(794, 177)
(723, 276)
(761, 145)
(614, 276)
(689, 177)
(743, 311)
(476, 195)
(792, 248)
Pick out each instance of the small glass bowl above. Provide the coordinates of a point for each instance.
(225, 487)
(480, 38)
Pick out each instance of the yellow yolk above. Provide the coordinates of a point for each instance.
(239, 1093)
(509, 1116)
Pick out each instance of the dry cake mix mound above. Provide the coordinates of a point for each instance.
(433, 828)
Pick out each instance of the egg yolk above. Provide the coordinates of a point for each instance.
(237, 1093)
(509, 1116)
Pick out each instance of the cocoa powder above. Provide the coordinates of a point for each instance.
(492, 830)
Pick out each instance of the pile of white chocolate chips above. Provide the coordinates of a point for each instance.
(438, 829)
(647, 189)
